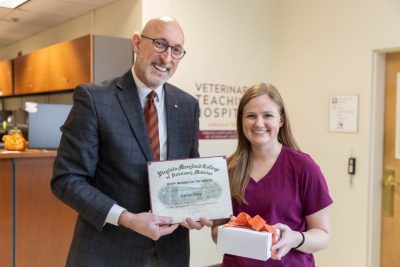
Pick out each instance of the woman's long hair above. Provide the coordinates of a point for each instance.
(240, 160)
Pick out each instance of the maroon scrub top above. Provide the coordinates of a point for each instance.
(294, 188)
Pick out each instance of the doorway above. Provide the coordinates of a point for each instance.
(390, 185)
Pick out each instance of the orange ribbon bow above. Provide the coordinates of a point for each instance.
(257, 223)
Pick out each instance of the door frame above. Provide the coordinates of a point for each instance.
(377, 97)
(375, 169)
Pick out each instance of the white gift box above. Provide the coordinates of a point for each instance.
(244, 242)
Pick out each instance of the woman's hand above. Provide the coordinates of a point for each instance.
(190, 224)
(214, 228)
(315, 238)
(288, 239)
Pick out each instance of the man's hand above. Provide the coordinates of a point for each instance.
(190, 224)
(147, 224)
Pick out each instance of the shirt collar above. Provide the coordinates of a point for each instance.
(143, 90)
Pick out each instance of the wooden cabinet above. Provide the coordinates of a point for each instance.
(31, 72)
(69, 64)
(6, 213)
(6, 77)
(41, 225)
(65, 65)
(58, 67)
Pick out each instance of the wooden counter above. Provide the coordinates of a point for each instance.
(30, 153)
(35, 227)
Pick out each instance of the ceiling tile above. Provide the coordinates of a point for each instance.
(96, 3)
(66, 9)
(4, 11)
(38, 15)
(35, 18)
(5, 42)
(11, 30)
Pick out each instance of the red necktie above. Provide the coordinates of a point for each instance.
(151, 117)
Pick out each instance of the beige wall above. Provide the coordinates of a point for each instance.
(228, 42)
(309, 49)
(327, 48)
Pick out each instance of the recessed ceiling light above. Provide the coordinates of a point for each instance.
(11, 3)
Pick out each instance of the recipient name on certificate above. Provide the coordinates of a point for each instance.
(190, 188)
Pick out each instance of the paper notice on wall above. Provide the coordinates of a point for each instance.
(343, 114)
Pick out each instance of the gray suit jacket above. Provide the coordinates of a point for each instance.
(102, 160)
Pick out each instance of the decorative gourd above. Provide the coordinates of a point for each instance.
(15, 141)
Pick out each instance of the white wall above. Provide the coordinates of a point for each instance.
(326, 48)
(225, 46)
(309, 49)
(119, 19)
(227, 42)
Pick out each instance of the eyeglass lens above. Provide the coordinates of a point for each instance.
(161, 46)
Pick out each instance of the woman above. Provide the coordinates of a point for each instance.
(271, 177)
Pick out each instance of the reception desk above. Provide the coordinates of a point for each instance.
(35, 227)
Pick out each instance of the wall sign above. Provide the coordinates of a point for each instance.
(343, 114)
(218, 109)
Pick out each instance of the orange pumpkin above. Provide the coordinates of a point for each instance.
(15, 142)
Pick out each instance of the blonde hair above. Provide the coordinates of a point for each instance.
(240, 160)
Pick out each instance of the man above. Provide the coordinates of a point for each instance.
(100, 169)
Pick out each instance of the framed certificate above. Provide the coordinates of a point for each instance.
(190, 188)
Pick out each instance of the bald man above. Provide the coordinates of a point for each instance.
(100, 169)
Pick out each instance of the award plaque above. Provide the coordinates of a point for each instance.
(190, 188)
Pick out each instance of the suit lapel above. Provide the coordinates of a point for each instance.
(173, 111)
(130, 103)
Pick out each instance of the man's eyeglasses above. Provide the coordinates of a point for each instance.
(160, 45)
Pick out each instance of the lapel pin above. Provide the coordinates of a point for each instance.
(176, 106)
